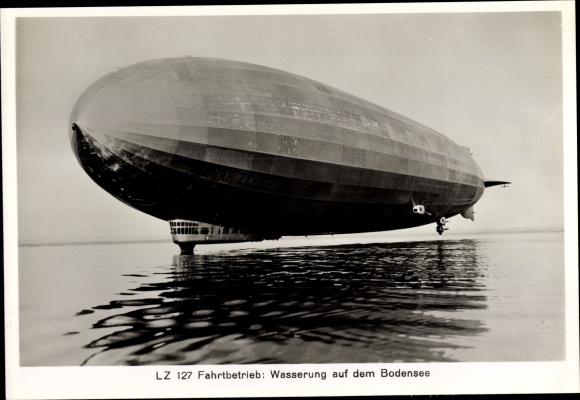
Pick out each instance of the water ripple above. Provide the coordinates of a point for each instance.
(354, 303)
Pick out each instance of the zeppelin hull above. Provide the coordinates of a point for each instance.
(246, 146)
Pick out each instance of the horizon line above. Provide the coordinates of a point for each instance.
(88, 242)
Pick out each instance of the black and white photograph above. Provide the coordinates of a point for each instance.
(364, 199)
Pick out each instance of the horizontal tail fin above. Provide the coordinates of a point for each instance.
(495, 183)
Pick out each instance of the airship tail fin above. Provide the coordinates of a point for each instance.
(491, 183)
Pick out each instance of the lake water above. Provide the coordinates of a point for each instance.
(495, 297)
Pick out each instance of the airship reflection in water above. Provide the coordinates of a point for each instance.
(228, 151)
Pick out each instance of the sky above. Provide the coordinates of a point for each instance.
(490, 81)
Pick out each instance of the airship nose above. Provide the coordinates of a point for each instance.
(126, 107)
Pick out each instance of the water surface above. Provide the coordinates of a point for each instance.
(486, 298)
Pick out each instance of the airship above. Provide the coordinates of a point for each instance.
(229, 151)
